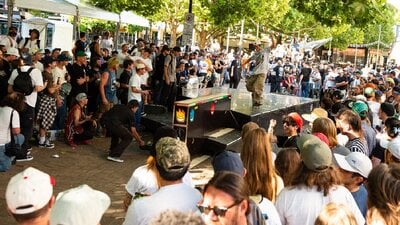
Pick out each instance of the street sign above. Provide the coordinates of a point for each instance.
(187, 33)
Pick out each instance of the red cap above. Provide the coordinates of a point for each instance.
(322, 137)
(297, 119)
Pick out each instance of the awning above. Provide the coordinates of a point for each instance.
(55, 6)
(69, 8)
(132, 18)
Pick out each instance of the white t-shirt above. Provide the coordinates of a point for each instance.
(374, 107)
(134, 81)
(267, 208)
(302, 205)
(37, 80)
(38, 65)
(106, 43)
(59, 73)
(148, 63)
(144, 180)
(330, 80)
(9, 42)
(5, 115)
(178, 197)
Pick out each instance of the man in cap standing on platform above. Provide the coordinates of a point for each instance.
(255, 83)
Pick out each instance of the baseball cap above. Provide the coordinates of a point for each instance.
(80, 53)
(316, 113)
(396, 90)
(140, 66)
(172, 155)
(315, 154)
(361, 108)
(34, 51)
(355, 162)
(228, 161)
(63, 57)
(322, 137)
(297, 119)
(394, 147)
(390, 80)
(29, 191)
(369, 91)
(80, 97)
(13, 51)
(79, 206)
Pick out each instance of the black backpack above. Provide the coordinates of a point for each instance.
(23, 82)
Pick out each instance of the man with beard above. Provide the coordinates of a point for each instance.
(10, 40)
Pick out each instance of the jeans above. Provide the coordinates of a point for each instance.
(5, 161)
(59, 121)
(138, 115)
(305, 89)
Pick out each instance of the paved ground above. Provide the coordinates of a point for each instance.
(88, 165)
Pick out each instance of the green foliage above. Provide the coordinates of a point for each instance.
(142, 7)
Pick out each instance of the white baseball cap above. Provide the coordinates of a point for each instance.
(29, 191)
(13, 51)
(355, 162)
(79, 206)
(394, 147)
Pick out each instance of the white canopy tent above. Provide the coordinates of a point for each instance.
(132, 18)
(69, 8)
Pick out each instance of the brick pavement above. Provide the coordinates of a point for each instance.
(88, 165)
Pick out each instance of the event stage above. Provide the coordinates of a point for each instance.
(213, 121)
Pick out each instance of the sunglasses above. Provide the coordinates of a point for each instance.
(218, 211)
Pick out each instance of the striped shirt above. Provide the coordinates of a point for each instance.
(357, 145)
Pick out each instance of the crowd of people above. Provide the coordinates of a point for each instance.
(343, 167)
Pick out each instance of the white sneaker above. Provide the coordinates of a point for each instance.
(115, 159)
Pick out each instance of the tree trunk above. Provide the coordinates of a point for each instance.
(203, 39)
(173, 35)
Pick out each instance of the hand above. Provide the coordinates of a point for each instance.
(105, 101)
(167, 82)
(146, 92)
(272, 123)
(94, 123)
(59, 102)
(141, 142)
(88, 117)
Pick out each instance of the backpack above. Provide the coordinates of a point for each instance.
(37, 42)
(23, 82)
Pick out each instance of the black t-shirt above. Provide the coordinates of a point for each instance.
(124, 79)
(305, 71)
(78, 71)
(340, 79)
(159, 70)
(120, 115)
(5, 73)
(80, 46)
(93, 86)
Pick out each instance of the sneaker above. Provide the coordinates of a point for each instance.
(143, 114)
(28, 148)
(115, 159)
(46, 145)
(27, 158)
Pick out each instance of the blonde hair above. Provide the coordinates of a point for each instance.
(335, 214)
(256, 155)
(248, 127)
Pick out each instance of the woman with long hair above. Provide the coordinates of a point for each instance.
(257, 159)
(287, 164)
(327, 127)
(384, 195)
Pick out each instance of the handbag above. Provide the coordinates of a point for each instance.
(12, 148)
